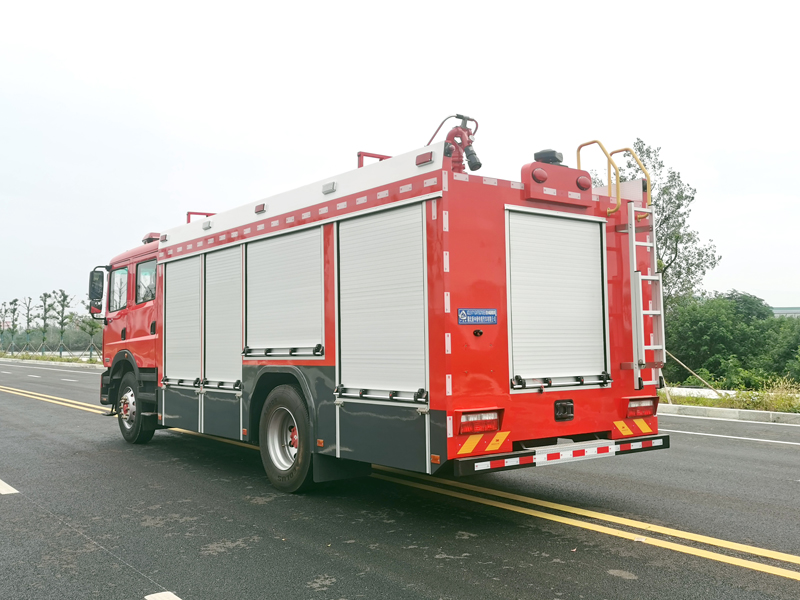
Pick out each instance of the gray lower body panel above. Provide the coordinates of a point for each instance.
(393, 436)
(181, 408)
(221, 414)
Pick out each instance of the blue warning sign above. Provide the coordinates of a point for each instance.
(477, 316)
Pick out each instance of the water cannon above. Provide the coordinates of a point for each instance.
(458, 144)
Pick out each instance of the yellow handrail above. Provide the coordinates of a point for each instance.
(610, 164)
(641, 166)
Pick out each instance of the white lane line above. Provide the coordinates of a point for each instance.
(730, 420)
(6, 489)
(6, 372)
(73, 380)
(162, 596)
(76, 371)
(731, 437)
(37, 376)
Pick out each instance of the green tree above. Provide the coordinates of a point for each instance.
(45, 312)
(13, 319)
(61, 305)
(683, 257)
(28, 309)
(733, 336)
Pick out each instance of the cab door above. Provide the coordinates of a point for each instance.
(115, 334)
(141, 317)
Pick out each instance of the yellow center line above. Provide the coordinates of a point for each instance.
(591, 514)
(40, 395)
(748, 564)
(215, 438)
(68, 403)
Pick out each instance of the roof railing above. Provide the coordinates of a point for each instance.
(611, 163)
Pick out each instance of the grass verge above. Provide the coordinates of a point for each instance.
(779, 395)
(64, 359)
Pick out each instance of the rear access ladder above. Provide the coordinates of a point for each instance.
(655, 308)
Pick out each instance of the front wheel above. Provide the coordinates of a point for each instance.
(284, 435)
(128, 412)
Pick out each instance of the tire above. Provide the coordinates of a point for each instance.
(284, 434)
(128, 411)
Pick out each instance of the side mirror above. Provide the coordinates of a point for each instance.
(96, 282)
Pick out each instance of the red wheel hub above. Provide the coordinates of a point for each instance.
(293, 438)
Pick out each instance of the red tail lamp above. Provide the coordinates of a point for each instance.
(645, 407)
(479, 422)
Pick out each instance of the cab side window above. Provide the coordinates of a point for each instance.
(118, 294)
(145, 281)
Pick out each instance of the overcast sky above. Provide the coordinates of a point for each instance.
(116, 119)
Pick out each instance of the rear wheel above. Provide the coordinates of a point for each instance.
(130, 422)
(284, 435)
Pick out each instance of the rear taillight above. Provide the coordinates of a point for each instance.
(479, 422)
(642, 408)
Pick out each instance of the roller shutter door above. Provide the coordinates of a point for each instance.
(285, 291)
(557, 296)
(382, 300)
(182, 297)
(223, 316)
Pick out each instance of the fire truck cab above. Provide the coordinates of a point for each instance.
(406, 314)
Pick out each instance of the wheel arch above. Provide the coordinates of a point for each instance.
(266, 380)
(123, 363)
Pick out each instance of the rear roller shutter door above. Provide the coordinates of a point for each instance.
(557, 297)
(382, 301)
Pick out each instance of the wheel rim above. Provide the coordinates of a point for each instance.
(127, 408)
(282, 439)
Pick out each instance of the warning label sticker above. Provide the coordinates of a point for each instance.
(477, 316)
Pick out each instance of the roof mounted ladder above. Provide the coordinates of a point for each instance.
(655, 309)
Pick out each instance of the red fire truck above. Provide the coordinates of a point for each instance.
(406, 313)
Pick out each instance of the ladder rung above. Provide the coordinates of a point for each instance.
(651, 312)
(650, 278)
(643, 210)
(654, 347)
(648, 244)
(650, 383)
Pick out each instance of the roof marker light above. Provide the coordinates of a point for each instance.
(584, 182)
(425, 159)
(329, 188)
(260, 208)
(539, 175)
(207, 224)
(164, 237)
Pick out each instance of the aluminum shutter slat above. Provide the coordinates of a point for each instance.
(382, 300)
(182, 319)
(284, 291)
(223, 308)
(557, 302)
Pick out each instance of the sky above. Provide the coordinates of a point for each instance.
(118, 118)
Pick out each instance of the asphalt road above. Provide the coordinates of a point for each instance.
(95, 517)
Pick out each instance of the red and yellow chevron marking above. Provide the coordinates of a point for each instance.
(634, 427)
(486, 442)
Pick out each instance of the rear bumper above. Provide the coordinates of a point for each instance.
(557, 454)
